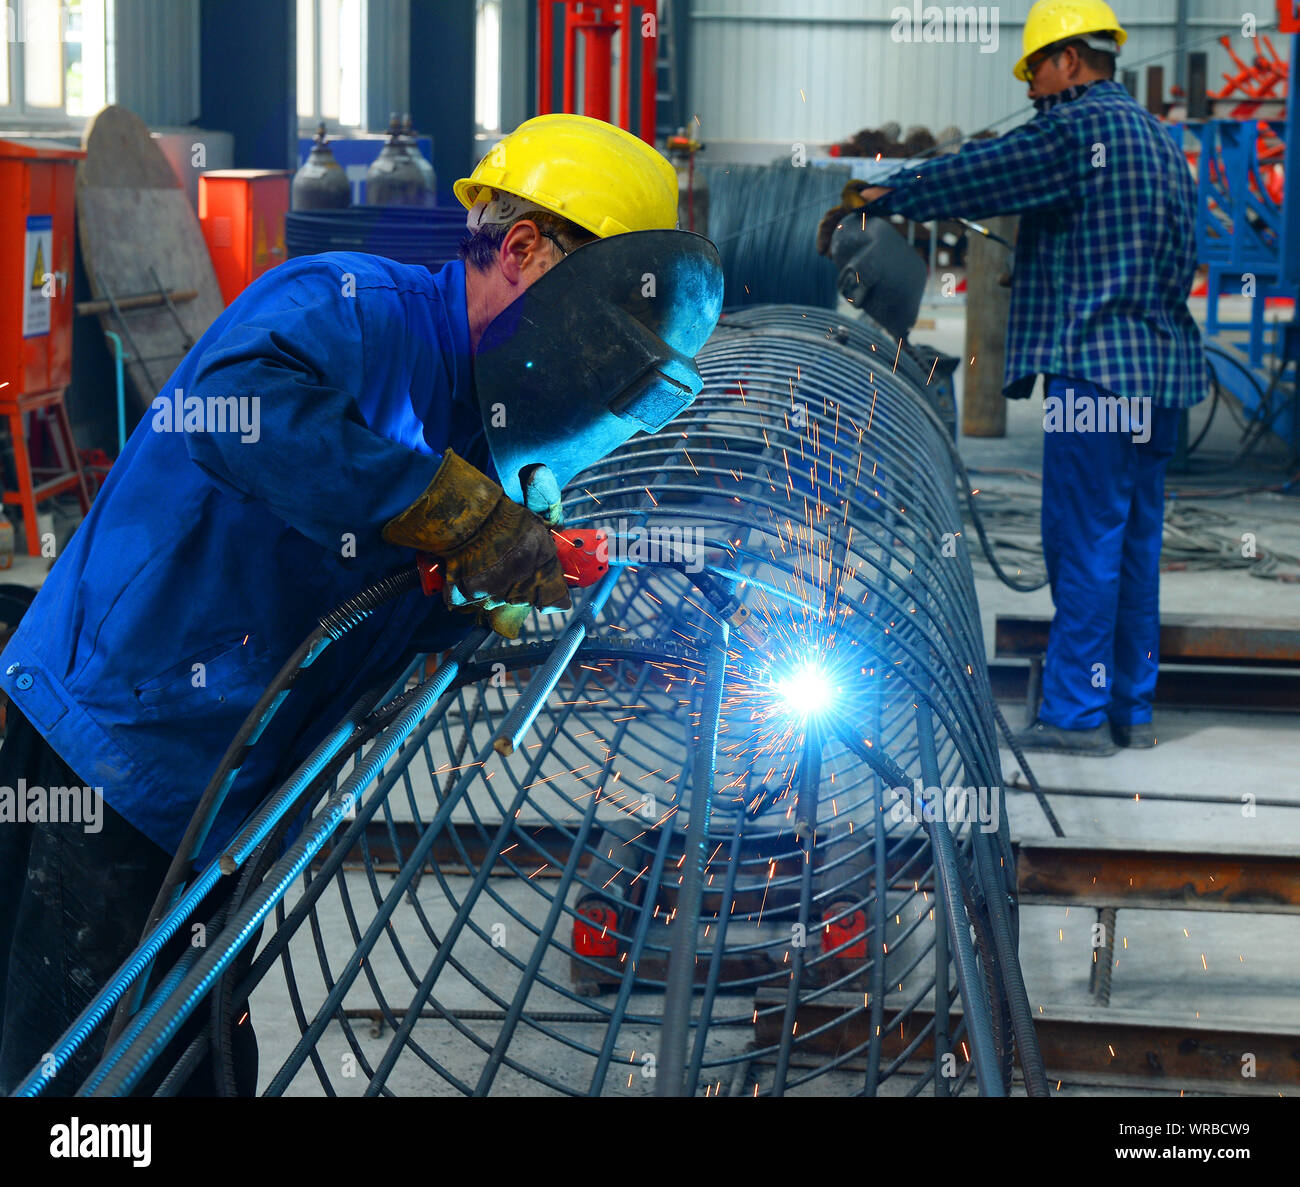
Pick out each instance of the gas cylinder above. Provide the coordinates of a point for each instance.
(395, 178)
(321, 183)
(426, 169)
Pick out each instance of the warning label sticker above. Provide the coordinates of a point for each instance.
(38, 283)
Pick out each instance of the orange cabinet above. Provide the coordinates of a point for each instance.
(242, 214)
(37, 256)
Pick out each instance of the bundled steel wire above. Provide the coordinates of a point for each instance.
(640, 852)
(764, 220)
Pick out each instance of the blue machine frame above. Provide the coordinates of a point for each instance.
(1244, 235)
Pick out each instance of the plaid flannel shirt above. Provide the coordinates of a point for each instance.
(1107, 247)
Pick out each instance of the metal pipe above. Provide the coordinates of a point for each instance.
(942, 995)
(526, 708)
(680, 986)
(807, 810)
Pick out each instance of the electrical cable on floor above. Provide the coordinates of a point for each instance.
(1191, 542)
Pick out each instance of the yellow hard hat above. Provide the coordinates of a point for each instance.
(1050, 21)
(590, 172)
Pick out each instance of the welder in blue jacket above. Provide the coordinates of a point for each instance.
(322, 431)
(1104, 262)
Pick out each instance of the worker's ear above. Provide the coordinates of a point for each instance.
(523, 248)
(1070, 61)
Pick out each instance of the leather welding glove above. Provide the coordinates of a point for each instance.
(542, 495)
(542, 498)
(850, 199)
(506, 621)
(494, 552)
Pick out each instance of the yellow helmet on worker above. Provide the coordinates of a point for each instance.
(1050, 21)
(585, 170)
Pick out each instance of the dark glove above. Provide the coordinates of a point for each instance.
(850, 199)
(494, 552)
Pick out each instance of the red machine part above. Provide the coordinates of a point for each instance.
(849, 930)
(597, 22)
(242, 213)
(593, 929)
(583, 553)
(1258, 80)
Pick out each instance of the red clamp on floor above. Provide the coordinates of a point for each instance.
(850, 930)
(593, 930)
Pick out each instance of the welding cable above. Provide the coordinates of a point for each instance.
(1255, 430)
(977, 520)
(1215, 392)
(219, 1032)
(1188, 544)
(332, 626)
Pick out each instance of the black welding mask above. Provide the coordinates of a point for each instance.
(599, 348)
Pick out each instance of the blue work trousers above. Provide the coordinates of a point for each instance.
(1102, 522)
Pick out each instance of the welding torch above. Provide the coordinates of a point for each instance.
(583, 554)
(584, 558)
(980, 229)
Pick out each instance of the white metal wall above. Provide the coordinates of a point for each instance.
(156, 50)
(814, 71)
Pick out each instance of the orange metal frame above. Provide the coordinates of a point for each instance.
(596, 23)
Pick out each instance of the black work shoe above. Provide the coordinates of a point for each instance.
(1140, 735)
(1095, 743)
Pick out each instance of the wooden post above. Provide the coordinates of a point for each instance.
(988, 307)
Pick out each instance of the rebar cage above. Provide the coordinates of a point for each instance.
(641, 851)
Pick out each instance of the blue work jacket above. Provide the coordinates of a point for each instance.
(226, 529)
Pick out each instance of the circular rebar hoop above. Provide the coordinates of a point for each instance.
(823, 904)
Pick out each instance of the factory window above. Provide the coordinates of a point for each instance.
(487, 67)
(331, 60)
(54, 58)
